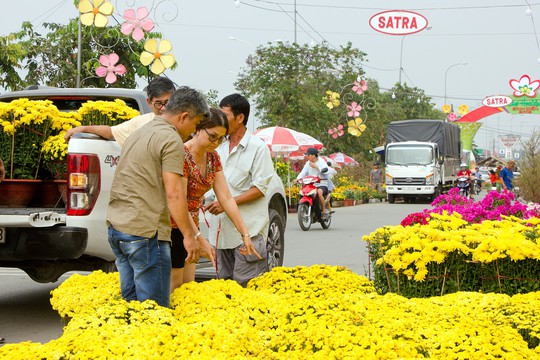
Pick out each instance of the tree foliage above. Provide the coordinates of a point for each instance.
(51, 58)
(529, 180)
(288, 83)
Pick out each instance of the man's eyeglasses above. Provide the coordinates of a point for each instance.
(214, 138)
(160, 104)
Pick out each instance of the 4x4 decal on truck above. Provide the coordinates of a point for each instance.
(112, 160)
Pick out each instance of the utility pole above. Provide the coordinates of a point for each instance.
(295, 22)
(79, 50)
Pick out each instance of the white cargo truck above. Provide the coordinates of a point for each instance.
(422, 157)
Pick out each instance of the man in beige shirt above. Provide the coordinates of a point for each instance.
(149, 186)
(158, 91)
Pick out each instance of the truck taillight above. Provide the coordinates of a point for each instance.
(83, 183)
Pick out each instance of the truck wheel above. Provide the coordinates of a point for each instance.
(275, 243)
(304, 217)
(391, 198)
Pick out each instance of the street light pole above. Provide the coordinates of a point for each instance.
(401, 59)
(241, 40)
(295, 21)
(446, 76)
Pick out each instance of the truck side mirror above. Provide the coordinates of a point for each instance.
(441, 160)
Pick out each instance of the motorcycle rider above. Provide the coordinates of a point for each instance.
(316, 166)
(465, 172)
(478, 177)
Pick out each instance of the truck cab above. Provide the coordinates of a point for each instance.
(421, 158)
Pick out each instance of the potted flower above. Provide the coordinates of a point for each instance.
(32, 143)
(25, 125)
(54, 149)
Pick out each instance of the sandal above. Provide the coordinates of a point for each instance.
(2, 340)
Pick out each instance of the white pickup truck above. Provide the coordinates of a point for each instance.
(47, 242)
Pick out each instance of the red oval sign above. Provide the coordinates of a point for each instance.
(497, 101)
(398, 22)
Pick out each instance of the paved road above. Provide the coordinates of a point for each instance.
(26, 314)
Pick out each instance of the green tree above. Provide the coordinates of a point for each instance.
(288, 83)
(10, 55)
(51, 59)
(529, 179)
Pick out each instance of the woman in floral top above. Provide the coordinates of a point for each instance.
(203, 169)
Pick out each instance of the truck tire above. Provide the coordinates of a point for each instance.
(275, 243)
(391, 198)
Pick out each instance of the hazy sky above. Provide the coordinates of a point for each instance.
(496, 38)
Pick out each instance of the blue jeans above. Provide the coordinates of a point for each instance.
(144, 265)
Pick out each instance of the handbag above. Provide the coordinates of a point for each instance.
(259, 243)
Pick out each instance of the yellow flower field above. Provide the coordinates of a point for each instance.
(320, 312)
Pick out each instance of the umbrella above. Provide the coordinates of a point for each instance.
(343, 159)
(282, 140)
(332, 162)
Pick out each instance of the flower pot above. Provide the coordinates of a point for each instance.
(49, 195)
(348, 202)
(18, 192)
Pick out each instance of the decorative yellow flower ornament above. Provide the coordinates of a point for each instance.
(446, 109)
(356, 126)
(463, 109)
(332, 99)
(156, 54)
(95, 12)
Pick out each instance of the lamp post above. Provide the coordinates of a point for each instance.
(401, 59)
(241, 40)
(401, 53)
(446, 76)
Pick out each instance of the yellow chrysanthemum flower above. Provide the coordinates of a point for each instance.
(95, 12)
(463, 109)
(446, 108)
(356, 126)
(157, 54)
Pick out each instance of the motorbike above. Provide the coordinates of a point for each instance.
(477, 186)
(463, 185)
(309, 210)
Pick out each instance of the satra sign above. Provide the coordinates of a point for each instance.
(398, 22)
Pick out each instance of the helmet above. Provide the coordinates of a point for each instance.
(463, 165)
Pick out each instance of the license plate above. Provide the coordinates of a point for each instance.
(2, 235)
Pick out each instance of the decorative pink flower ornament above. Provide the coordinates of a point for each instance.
(109, 68)
(360, 87)
(137, 23)
(452, 116)
(524, 86)
(336, 131)
(353, 110)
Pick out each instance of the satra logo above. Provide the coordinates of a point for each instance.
(398, 22)
(112, 160)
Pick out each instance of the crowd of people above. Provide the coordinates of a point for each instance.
(500, 178)
(169, 159)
